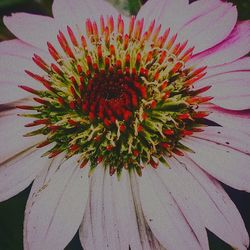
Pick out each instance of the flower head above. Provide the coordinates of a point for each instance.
(148, 98)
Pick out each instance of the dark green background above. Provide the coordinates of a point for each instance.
(12, 211)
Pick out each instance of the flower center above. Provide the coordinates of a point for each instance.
(123, 98)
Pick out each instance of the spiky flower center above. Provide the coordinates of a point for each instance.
(121, 97)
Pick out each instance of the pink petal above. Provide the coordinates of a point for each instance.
(93, 232)
(223, 202)
(227, 137)
(224, 163)
(239, 120)
(19, 171)
(239, 65)
(168, 13)
(219, 20)
(57, 207)
(236, 45)
(199, 193)
(11, 133)
(115, 213)
(147, 238)
(32, 29)
(76, 12)
(231, 90)
(19, 48)
(162, 214)
(12, 74)
(177, 182)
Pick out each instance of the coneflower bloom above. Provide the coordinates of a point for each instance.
(138, 120)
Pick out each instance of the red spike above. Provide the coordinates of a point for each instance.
(165, 145)
(53, 52)
(25, 107)
(56, 69)
(28, 89)
(155, 35)
(136, 152)
(184, 116)
(153, 163)
(200, 114)
(186, 132)
(194, 79)
(178, 152)
(177, 67)
(197, 99)
(168, 132)
(102, 24)
(74, 148)
(122, 128)
(131, 25)
(40, 63)
(43, 144)
(41, 101)
(72, 36)
(171, 42)
(84, 42)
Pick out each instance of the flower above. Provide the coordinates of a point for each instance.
(140, 119)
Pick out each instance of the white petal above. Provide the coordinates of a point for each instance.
(239, 65)
(231, 90)
(147, 238)
(19, 48)
(33, 29)
(18, 172)
(11, 133)
(227, 137)
(224, 204)
(182, 189)
(56, 210)
(76, 12)
(115, 216)
(236, 45)
(163, 215)
(93, 235)
(224, 163)
(239, 120)
(219, 19)
(170, 14)
(198, 193)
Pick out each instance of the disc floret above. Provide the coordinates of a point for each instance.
(123, 98)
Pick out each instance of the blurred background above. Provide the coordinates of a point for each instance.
(12, 211)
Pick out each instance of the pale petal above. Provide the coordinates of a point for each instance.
(147, 238)
(12, 74)
(231, 90)
(93, 234)
(223, 203)
(32, 29)
(181, 187)
(19, 48)
(11, 133)
(115, 216)
(239, 120)
(224, 163)
(76, 12)
(19, 171)
(227, 137)
(239, 65)
(167, 13)
(56, 210)
(236, 45)
(163, 215)
(219, 22)
(200, 196)
(42, 177)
